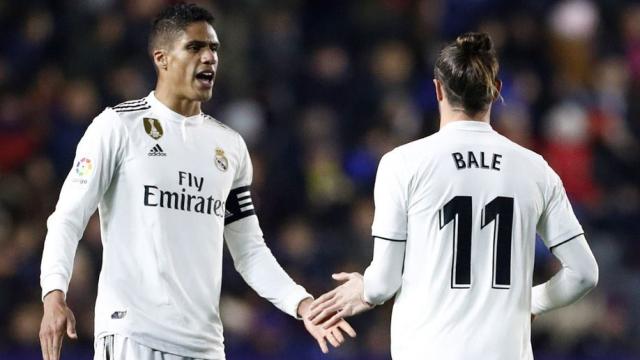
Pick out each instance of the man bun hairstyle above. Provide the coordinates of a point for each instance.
(468, 71)
(174, 19)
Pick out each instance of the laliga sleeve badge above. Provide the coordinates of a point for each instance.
(153, 128)
(221, 161)
(84, 169)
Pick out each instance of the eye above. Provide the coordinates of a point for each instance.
(193, 48)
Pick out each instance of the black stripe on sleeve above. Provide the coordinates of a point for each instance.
(130, 103)
(384, 238)
(124, 107)
(564, 242)
(239, 205)
(134, 109)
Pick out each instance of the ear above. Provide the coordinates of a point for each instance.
(439, 91)
(498, 87)
(160, 59)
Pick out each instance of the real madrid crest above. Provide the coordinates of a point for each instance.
(221, 161)
(153, 128)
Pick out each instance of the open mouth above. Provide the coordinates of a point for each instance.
(205, 78)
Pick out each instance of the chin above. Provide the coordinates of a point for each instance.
(203, 96)
(207, 96)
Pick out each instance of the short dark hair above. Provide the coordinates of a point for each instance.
(468, 70)
(174, 19)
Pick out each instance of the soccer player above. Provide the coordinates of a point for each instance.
(456, 216)
(170, 183)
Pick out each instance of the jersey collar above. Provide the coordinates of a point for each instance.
(469, 125)
(164, 111)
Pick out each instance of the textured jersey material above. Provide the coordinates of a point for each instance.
(168, 189)
(468, 202)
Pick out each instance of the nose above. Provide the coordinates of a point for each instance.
(209, 57)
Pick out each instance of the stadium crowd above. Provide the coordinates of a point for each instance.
(320, 90)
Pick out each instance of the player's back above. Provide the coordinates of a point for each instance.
(473, 201)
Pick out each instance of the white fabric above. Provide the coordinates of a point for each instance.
(384, 276)
(437, 314)
(162, 224)
(578, 275)
(117, 347)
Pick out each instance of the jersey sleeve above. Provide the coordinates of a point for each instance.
(239, 204)
(390, 197)
(383, 277)
(558, 223)
(251, 256)
(97, 157)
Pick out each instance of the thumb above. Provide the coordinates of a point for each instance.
(71, 325)
(343, 276)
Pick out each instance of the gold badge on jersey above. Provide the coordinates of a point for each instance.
(153, 128)
(221, 161)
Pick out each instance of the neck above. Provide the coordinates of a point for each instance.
(181, 105)
(448, 115)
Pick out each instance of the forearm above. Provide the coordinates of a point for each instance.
(259, 268)
(577, 277)
(383, 277)
(57, 256)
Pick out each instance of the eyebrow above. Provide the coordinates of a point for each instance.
(201, 44)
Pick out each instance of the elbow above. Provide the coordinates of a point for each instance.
(589, 278)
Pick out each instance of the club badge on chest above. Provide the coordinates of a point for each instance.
(153, 128)
(221, 160)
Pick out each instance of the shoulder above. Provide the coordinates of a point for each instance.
(126, 111)
(211, 121)
(114, 118)
(224, 129)
(416, 151)
(528, 157)
(131, 106)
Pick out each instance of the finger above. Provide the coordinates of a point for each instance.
(323, 344)
(44, 348)
(324, 297)
(338, 334)
(334, 319)
(71, 325)
(57, 345)
(332, 340)
(347, 328)
(321, 318)
(343, 276)
(50, 347)
(315, 312)
(51, 341)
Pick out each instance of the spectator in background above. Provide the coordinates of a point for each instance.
(269, 60)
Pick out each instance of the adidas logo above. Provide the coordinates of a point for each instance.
(157, 151)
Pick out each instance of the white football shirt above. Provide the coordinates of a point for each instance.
(168, 188)
(468, 202)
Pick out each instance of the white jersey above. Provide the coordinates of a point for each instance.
(168, 188)
(468, 202)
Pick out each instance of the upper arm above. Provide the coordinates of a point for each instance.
(558, 223)
(98, 156)
(239, 204)
(390, 197)
(577, 256)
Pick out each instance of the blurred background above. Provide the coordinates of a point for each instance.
(320, 90)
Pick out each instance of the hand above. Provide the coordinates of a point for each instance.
(345, 300)
(332, 334)
(57, 320)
